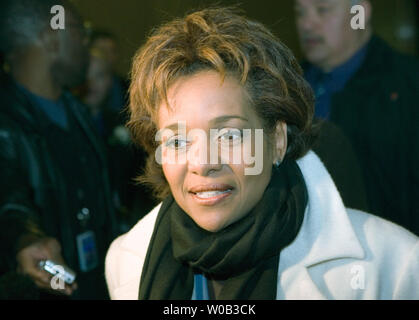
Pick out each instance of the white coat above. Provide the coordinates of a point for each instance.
(339, 253)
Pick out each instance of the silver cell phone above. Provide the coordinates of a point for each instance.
(55, 269)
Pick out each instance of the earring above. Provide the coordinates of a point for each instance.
(277, 163)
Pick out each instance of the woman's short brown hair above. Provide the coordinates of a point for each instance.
(219, 39)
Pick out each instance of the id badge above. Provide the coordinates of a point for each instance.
(86, 248)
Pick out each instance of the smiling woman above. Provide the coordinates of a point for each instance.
(221, 232)
(214, 194)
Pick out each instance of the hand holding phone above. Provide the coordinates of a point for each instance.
(30, 257)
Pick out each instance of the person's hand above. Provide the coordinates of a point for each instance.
(28, 260)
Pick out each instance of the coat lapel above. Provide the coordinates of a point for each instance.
(329, 232)
(325, 235)
(296, 284)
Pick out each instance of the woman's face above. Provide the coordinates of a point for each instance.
(214, 194)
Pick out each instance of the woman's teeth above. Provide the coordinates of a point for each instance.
(210, 194)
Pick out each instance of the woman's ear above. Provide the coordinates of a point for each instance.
(280, 142)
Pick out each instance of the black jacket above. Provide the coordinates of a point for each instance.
(338, 156)
(33, 200)
(378, 110)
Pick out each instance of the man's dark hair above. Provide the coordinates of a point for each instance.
(21, 21)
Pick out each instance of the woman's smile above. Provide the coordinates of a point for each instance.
(211, 194)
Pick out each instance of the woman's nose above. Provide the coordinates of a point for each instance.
(200, 160)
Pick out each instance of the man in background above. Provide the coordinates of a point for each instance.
(369, 91)
(55, 195)
(106, 45)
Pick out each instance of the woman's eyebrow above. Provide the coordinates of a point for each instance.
(173, 126)
(213, 122)
(226, 118)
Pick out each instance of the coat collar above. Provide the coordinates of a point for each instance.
(327, 233)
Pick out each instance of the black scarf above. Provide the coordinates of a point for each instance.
(245, 254)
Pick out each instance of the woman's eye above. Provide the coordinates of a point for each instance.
(176, 143)
(230, 136)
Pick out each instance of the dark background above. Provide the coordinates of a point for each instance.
(132, 20)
